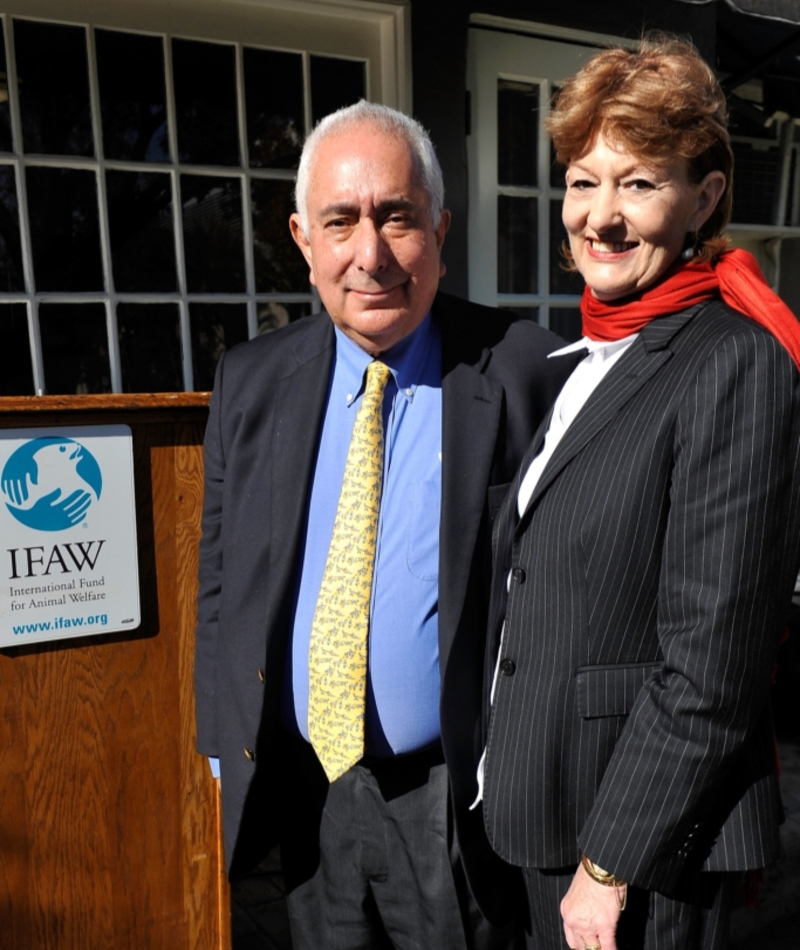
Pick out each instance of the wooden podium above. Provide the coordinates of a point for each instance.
(109, 820)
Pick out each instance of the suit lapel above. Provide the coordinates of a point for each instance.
(645, 357)
(471, 411)
(299, 406)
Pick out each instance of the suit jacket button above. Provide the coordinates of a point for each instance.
(507, 667)
(250, 754)
(261, 676)
(518, 574)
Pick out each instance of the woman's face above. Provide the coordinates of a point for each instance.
(627, 218)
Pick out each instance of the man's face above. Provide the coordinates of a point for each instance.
(372, 249)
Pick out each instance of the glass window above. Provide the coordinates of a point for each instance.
(517, 132)
(6, 144)
(205, 102)
(517, 245)
(53, 83)
(335, 83)
(65, 230)
(216, 327)
(141, 230)
(273, 83)
(150, 347)
(16, 372)
(212, 233)
(562, 281)
(133, 102)
(11, 276)
(566, 322)
(75, 348)
(168, 239)
(279, 266)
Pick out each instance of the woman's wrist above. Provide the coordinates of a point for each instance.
(607, 879)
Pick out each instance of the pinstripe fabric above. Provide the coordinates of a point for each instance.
(658, 554)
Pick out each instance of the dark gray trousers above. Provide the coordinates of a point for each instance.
(379, 868)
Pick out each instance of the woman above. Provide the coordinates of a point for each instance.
(647, 551)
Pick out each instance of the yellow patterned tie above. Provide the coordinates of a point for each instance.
(337, 653)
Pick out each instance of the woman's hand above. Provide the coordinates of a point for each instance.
(590, 912)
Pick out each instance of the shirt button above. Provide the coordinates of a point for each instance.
(409, 392)
(250, 754)
(519, 575)
(507, 667)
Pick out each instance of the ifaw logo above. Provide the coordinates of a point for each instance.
(50, 483)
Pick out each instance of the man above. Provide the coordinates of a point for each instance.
(366, 836)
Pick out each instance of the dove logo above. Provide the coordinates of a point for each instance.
(50, 483)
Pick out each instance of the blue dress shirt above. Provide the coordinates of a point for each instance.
(403, 685)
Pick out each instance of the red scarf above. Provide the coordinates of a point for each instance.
(735, 276)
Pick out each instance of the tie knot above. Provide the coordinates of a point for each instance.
(377, 376)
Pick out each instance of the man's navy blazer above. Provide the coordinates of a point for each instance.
(260, 447)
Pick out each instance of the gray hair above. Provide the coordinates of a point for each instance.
(384, 119)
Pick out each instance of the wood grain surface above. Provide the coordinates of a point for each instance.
(109, 820)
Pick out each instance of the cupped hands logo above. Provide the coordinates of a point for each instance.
(50, 483)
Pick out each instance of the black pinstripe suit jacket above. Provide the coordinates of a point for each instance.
(655, 565)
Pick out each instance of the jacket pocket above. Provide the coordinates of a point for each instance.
(610, 690)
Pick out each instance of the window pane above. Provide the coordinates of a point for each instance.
(150, 347)
(561, 281)
(335, 83)
(517, 245)
(517, 132)
(280, 267)
(5, 112)
(273, 315)
(215, 329)
(65, 235)
(566, 322)
(273, 84)
(212, 234)
(205, 102)
(141, 227)
(755, 184)
(16, 373)
(75, 348)
(53, 82)
(133, 101)
(11, 277)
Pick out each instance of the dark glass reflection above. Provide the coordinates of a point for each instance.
(11, 276)
(5, 112)
(561, 281)
(517, 245)
(335, 83)
(53, 82)
(62, 205)
(205, 102)
(16, 371)
(150, 347)
(142, 233)
(216, 327)
(133, 100)
(212, 234)
(517, 132)
(279, 265)
(273, 315)
(557, 170)
(273, 91)
(566, 322)
(526, 313)
(75, 348)
(755, 202)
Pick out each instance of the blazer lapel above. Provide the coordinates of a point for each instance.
(299, 405)
(471, 410)
(645, 357)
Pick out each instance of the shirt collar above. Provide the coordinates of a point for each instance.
(598, 350)
(406, 361)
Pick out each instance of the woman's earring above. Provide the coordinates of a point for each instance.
(689, 252)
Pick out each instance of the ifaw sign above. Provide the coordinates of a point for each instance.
(68, 562)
